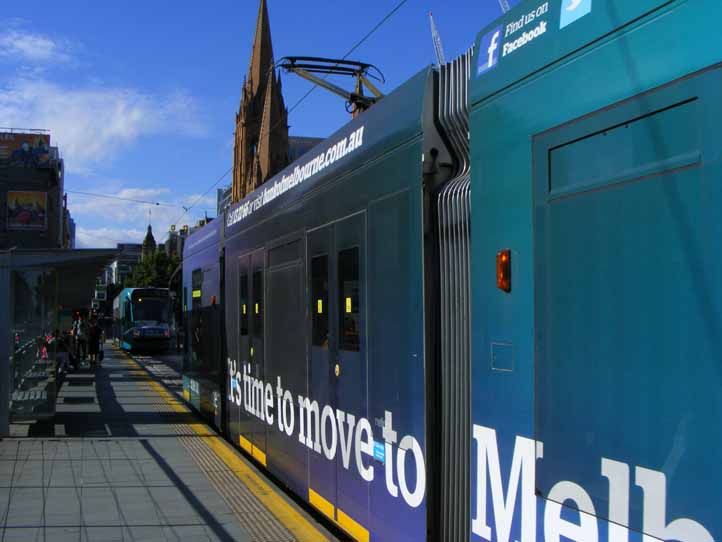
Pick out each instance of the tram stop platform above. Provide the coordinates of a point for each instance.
(125, 460)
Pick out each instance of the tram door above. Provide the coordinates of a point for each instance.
(251, 345)
(338, 365)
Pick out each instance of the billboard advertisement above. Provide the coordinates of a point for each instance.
(27, 210)
(24, 150)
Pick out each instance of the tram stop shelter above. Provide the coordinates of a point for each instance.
(38, 291)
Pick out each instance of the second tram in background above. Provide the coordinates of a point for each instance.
(141, 319)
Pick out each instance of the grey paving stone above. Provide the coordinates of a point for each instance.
(26, 507)
(148, 533)
(6, 472)
(62, 506)
(8, 449)
(99, 507)
(62, 534)
(192, 532)
(64, 473)
(30, 474)
(121, 470)
(105, 534)
(23, 534)
(138, 506)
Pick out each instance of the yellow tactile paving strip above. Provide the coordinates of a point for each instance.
(300, 529)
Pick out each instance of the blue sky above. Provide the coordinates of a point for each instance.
(141, 96)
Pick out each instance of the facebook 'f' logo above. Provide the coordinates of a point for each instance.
(573, 10)
(489, 50)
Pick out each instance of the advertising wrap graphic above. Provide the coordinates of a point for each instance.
(24, 150)
(352, 438)
(518, 499)
(27, 210)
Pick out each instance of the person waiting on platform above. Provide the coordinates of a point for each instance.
(81, 336)
(94, 336)
(63, 355)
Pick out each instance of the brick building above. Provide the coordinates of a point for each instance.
(33, 214)
(261, 136)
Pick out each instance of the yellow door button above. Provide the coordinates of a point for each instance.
(337, 370)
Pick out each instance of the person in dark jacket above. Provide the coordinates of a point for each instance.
(94, 334)
(81, 335)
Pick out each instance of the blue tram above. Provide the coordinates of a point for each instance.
(488, 308)
(140, 319)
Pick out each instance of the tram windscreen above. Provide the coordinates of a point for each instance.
(151, 310)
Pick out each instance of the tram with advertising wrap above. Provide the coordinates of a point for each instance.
(489, 307)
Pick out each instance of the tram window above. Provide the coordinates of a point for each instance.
(196, 288)
(244, 305)
(285, 254)
(349, 299)
(319, 301)
(196, 320)
(257, 307)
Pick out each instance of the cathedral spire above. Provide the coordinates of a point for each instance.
(262, 55)
(273, 134)
(261, 141)
(149, 244)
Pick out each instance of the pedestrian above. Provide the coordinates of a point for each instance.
(74, 337)
(82, 337)
(72, 351)
(62, 355)
(94, 334)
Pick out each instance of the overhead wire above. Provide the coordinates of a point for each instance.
(295, 105)
(349, 52)
(199, 198)
(133, 200)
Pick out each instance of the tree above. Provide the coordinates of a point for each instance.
(153, 272)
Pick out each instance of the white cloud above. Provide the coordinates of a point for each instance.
(106, 237)
(23, 46)
(92, 124)
(122, 221)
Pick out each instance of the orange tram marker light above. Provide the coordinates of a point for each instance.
(503, 270)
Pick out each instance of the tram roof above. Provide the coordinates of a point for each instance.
(391, 122)
(202, 238)
(538, 33)
(128, 292)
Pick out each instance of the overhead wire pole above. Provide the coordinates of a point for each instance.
(438, 47)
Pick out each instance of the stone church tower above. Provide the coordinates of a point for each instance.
(261, 142)
(149, 245)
